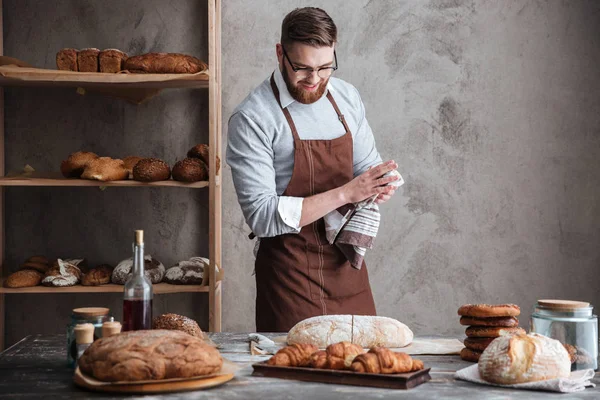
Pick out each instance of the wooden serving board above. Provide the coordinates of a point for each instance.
(167, 386)
(340, 377)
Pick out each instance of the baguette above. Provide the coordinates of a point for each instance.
(365, 331)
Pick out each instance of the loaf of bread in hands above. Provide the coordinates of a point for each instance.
(295, 355)
(380, 360)
(336, 356)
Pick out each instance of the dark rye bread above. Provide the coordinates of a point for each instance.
(489, 310)
(66, 60)
(87, 60)
(151, 170)
(154, 270)
(175, 322)
(97, 276)
(149, 355)
(190, 170)
(111, 60)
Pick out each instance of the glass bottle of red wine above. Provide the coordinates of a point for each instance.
(137, 296)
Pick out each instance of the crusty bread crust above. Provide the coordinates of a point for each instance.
(470, 355)
(489, 310)
(365, 331)
(491, 321)
(492, 332)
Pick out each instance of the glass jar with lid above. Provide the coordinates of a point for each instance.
(93, 315)
(573, 324)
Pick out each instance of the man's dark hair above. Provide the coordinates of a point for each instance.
(308, 25)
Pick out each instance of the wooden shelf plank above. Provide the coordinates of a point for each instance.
(11, 75)
(159, 288)
(56, 179)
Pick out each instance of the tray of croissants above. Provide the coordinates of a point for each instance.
(345, 363)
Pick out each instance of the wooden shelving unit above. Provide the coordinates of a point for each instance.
(121, 85)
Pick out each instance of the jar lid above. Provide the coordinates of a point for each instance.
(562, 304)
(91, 311)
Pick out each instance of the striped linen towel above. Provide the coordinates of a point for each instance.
(353, 227)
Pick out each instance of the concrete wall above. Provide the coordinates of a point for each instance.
(491, 111)
(489, 108)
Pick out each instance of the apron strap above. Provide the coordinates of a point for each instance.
(337, 110)
(285, 110)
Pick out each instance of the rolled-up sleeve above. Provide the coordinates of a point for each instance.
(365, 151)
(250, 157)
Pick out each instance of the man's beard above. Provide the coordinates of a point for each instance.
(301, 95)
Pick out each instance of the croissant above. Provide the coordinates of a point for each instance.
(295, 355)
(336, 356)
(380, 360)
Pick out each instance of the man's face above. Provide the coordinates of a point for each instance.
(305, 89)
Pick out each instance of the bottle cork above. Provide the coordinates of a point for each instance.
(110, 328)
(139, 237)
(84, 333)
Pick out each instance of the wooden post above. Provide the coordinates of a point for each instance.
(214, 94)
(2, 299)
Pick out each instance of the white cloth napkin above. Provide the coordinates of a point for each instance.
(353, 227)
(577, 382)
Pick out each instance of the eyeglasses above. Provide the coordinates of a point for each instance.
(303, 73)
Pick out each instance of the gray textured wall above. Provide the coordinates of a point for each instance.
(489, 108)
(491, 111)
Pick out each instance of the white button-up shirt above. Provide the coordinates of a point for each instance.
(260, 149)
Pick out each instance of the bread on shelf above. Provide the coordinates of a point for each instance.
(111, 60)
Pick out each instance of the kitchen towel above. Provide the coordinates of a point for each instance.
(353, 227)
(577, 382)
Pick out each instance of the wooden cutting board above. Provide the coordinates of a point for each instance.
(340, 377)
(167, 386)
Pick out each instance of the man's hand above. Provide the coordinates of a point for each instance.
(383, 197)
(371, 183)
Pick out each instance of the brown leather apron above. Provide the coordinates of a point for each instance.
(301, 275)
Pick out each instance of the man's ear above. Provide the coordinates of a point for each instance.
(279, 52)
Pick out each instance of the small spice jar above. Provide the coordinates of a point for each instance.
(573, 324)
(93, 315)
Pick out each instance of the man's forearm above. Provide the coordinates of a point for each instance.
(318, 205)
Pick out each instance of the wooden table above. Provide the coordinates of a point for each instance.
(36, 368)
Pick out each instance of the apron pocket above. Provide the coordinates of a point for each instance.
(331, 276)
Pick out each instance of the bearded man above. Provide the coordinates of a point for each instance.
(299, 147)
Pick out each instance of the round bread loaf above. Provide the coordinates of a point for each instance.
(130, 162)
(177, 322)
(151, 170)
(524, 358)
(470, 355)
(492, 321)
(105, 169)
(23, 278)
(190, 170)
(97, 276)
(40, 267)
(38, 259)
(75, 164)
(200, 151)
(154, 270)
(69, 276)
(149, 355)
(478, 343)
(489, 310)
(188, 272)
(491, 331)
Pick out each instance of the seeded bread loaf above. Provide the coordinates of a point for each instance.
(365, 331)
(164, 63)
(175, 322)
